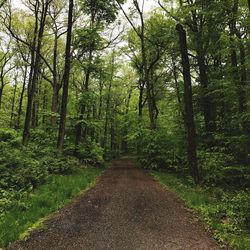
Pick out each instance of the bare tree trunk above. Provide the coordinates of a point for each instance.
(61, 133)
(189, 115)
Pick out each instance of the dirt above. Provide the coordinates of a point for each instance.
(127, 209)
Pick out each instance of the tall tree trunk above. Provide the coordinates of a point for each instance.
(56, 85)
(189, 115)
(35, 69)
(100, 100)
(44, 105)
(35, 108)
(78, 128)
(140, 103)
(107, 116)
(112, 136)
(178, 95)
(61, 133)
(243, 80)
(1, 96)
(206, 100)
(54, 103)
(13, 104)
(21, 97)
(93, 129)
(124, 144)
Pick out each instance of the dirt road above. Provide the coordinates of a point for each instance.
(127, 209)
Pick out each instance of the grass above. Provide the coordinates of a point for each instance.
(48, 198)
(208, 208)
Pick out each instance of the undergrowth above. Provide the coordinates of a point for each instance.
(30, 208)
(227, 214)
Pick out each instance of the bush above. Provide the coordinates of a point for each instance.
(157, 149)
(216, 170)
(61, 165)
(236, 209)
(91, 153)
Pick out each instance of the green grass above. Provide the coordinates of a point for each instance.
(208, 208)
(32, 209)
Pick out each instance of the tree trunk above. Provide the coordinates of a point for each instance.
(242, 87)
(140, 104)
(35, 108)
(35, 69)
(21, 98)
(54, 103)
(206, 100)
(56, 85)
(13, 104)
(44, 105)
(189, 115)
(1, 95)
(107, 116)
(78, 128)
(61, 133)
(100, 100)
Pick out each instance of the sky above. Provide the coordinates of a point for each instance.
(149, 4)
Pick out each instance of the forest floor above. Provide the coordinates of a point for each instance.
(127, 209)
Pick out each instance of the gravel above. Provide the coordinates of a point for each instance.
(127, 209)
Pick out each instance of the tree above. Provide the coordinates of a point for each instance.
(61, 133)
(189, 115)
(35, 62)
(5, 68)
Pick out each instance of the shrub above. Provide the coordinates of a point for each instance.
(157, 149)
(91, 153)
(216, 170)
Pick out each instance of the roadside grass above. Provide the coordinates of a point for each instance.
(46, 199)
(208, 207)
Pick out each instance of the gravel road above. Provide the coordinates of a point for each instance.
(127, 209)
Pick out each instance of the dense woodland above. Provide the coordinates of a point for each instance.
(84, 81)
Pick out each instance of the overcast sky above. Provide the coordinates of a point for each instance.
(149, 4)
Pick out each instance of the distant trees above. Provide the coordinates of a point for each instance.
(104, 88)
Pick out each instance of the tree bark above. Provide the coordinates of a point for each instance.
(54, 103)
(189, 115)
(107, 116)
(21, 97)
(206, 100)
(1, 95)
(13, 104)
(34, 72)
(61, 132)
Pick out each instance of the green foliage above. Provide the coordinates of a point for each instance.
(91, 153)
(158, 149)
(24, 168)
(104, 10)
(217, 170)
(23, 211)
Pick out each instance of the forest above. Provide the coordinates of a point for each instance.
(83, 82)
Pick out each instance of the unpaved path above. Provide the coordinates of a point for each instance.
(126, 210)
